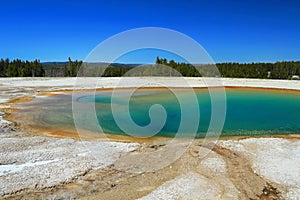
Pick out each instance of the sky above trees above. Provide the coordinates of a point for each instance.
(239, 31)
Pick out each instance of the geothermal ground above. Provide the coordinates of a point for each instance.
(36, 166)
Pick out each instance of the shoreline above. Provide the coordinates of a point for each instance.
(70, 83)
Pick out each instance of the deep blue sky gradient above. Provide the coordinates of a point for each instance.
(242, 31)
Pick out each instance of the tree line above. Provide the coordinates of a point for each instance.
(278, 70)
(19, 68)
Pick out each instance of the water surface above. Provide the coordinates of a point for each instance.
(249, 111)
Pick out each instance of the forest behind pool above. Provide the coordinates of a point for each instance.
(278, 70)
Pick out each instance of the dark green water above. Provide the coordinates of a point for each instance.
(249, 111)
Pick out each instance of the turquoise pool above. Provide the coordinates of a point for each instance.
(249, 111)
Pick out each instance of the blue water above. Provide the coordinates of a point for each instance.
(248, 112)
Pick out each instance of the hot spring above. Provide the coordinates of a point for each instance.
(249, 111)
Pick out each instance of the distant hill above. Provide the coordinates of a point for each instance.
(56, 69)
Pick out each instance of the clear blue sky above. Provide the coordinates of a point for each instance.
(242, 31)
